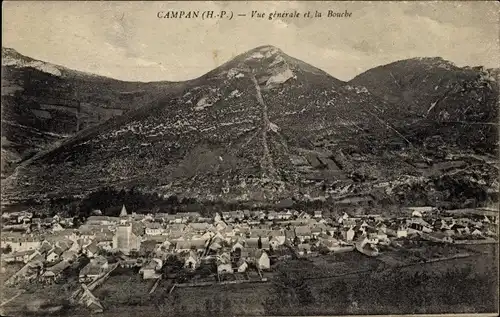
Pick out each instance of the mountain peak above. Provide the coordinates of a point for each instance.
(267, 61)
(9, 50)
(262, 127)
(11, 57)
(261, 53)
(427, 63)
(10, 53)
(266, 47)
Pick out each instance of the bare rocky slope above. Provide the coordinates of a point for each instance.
(43, 103)
(262, 128)
(459, 105)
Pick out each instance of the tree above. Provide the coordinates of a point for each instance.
(291, 287)
(77, 222)
(208, 305)
(296, 240)
(7, 249)
(323, 250)
(206, 270)
(237, 253)
(172, 264)
(226, 306)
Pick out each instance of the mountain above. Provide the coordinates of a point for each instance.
(43, 103)
(263, 127)
(457, 105)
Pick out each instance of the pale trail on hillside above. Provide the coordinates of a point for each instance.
(266, 161)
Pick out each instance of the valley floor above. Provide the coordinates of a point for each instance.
(358, 285)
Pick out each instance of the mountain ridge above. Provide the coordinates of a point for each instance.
(12, 57)
(44, 103)
(261, 127)
(436, 90)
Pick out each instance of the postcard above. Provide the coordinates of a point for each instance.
(249, 158)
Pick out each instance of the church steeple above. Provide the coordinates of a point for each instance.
(123, 213)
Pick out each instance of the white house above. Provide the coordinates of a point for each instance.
(54, 273)
(21, 243)
(402, 232)
(153, 228)
(192, 261)
(54, 254)
(207, 235)
(304, 248)
(372, 238)
(263, 262)
(278, 235)
(271, 215)
(102, 220)
(349, 234)
(69, 255)
(241, 266)
(220, 226)
(304, 215)
(419, 211)
(93, 270)
(303, 233)
(316, 231)
(21, 256)
(198, 244)
(91, 250)
(57, 227)
(382, 236)
(36, 257)
(332, 244)
(215, 246)
(183, 246)
(236, 246)
(275, 242)
(416, 214)
(419, 225)
(477, 232)
(152, 269)
(224, 267)
(439, 237)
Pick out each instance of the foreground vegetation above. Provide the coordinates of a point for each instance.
(297, 287)
(395, 291)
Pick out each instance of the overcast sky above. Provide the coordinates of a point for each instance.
(127, 41)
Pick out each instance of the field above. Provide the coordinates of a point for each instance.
(241, 299)
(346, 283)
(341, 264)
(36, 298)
(128, 290)
(9, 269)
(463, 285)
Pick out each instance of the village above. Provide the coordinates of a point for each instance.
(231, 247)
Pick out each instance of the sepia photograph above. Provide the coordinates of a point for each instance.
(249, 158)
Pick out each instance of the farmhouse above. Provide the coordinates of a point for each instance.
(151, 270)
(54, 273)
(93, 270)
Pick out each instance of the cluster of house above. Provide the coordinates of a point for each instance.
(234, 240)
